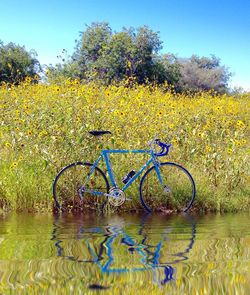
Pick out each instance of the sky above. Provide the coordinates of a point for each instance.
(186, 27)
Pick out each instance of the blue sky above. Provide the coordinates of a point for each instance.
(220, 27)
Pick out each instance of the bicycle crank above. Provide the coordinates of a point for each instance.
(116, 197)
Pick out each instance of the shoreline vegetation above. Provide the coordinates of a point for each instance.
(44, 127)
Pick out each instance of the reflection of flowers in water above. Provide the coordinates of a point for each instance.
(115, 225)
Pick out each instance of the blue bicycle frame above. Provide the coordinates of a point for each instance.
(105, 156)
(106, 185)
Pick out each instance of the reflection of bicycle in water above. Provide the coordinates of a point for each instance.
(150, 253)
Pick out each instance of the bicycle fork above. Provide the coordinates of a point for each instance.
(158, 172)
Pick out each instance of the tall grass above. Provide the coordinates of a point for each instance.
(44, 127)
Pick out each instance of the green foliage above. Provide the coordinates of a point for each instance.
(90, 47)
(147, 44)
(17, 64)
(109, 56)
(104, 56)
(168, 69)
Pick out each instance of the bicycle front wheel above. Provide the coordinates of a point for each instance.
(68, 184)
(177, 192)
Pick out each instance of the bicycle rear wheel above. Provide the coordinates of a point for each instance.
(176, 194)
(68, 183)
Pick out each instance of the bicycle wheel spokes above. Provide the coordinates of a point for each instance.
(68, 188)
(176, 194)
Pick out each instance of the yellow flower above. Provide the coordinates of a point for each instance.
(28, 80)
(43, 133)
(29, 133)
(243, 141)
(201, 134)
(174, 142)
(13, 165)
(208, 148)
(237, 142)
(240, 124)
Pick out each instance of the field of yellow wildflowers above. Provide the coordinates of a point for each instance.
(44, 127)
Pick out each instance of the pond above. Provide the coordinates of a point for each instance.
(124, 254)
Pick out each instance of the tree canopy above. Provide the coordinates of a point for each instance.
(112, 56)
(106, 56)
(203, 73)
(16, 63)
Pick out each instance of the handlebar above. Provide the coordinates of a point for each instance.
(164, 147)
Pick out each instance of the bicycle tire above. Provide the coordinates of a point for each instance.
(68, 182)
(179, 182)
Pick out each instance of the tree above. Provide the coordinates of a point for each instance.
(115, 61)
(16, 63)
(147, 45)
(171, 69)
(108, 56)
(90, 47)
(203, 73)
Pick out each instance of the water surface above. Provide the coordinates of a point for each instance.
(124, 254)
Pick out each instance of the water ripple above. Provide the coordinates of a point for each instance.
(146, 254)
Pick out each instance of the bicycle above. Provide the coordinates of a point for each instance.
(83, 185)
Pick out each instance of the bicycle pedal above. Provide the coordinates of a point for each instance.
(167, 190)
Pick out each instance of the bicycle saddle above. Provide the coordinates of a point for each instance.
(99, 132)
